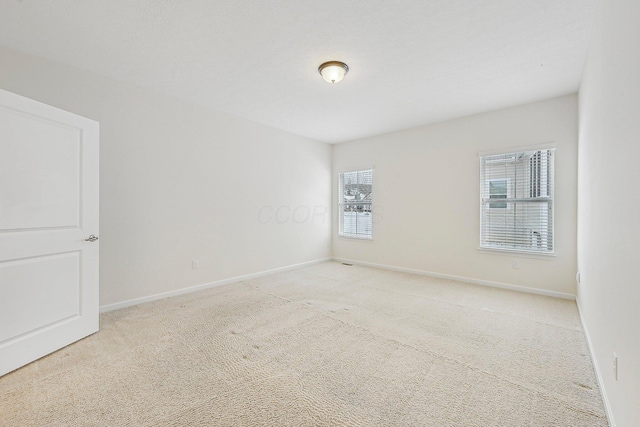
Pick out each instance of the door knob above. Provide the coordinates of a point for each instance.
(91, 238)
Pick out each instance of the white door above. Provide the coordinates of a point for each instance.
(48, 208)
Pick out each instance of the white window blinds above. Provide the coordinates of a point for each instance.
(354, 204)
(516, 201)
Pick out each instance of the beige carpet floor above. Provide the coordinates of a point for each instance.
(324, 345)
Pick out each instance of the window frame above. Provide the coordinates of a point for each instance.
(512, 201)
(341, 204)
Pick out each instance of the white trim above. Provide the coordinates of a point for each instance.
(463, 279)
(155, 297)
(507, 150)
(355, 239)
(356, 169)
(596, 367)
(549, 256)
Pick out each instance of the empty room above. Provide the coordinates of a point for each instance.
(296, 213)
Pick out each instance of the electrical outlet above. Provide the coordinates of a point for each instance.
(514, 264)
(615, 366)
(195, 264)
(578, 277)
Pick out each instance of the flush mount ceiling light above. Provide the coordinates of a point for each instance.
(333, 71)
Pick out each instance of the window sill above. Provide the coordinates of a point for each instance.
(355, 239)
(522, 254)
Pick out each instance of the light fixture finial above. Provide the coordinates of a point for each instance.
(333, 71)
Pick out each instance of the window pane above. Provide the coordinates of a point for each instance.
(498, 190)
(498, 186)
(356, 221)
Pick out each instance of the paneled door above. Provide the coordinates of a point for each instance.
(48, 229)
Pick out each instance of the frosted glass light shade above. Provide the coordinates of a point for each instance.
(333, 71)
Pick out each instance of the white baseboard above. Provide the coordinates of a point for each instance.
(463, 279)
(155, 297)
(596, 367)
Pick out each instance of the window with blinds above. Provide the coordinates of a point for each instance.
(354, 204)
(516, 201)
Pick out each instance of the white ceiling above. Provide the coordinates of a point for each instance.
(412, 62)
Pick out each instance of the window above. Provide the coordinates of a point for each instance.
(523, 220)
(498, 190)
(354, 204)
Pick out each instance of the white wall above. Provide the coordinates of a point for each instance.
(181, 182)
(426, 195)
(609, 202)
